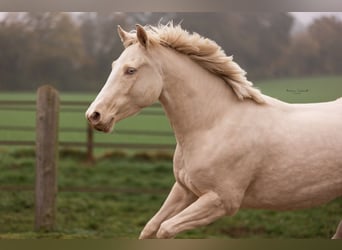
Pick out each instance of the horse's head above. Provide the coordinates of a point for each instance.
(134, 82)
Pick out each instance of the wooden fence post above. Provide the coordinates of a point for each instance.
(90, 145)
(46, 157)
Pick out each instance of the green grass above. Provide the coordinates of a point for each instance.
(123, 215)
(77, 119)
(303, 90)
(97, 215)
(296, 90)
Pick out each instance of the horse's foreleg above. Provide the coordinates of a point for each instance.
(338, 234)
(205, 210)
(178, 199)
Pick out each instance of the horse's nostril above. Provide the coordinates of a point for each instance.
(95, 117)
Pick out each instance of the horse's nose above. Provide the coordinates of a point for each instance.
(94, 118)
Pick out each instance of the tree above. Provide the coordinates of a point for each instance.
(39, 48)
(58, 49)
(316, 50)
(76, 52)
(15, 45)
(327, 32)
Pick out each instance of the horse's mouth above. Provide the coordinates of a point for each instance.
(105, 127)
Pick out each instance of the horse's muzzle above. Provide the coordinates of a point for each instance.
(95, 120)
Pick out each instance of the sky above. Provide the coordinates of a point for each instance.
(307, 17)
(304, 18)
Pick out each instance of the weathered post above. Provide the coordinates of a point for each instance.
(46, 157)
(90, 144)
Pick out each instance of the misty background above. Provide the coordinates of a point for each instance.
(74, 51)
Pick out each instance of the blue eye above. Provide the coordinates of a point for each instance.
(130, 70)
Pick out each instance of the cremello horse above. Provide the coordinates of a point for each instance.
(236, 148)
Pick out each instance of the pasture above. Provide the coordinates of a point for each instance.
(296, 90)
(72, 117)
(130, 190)
(116, 196)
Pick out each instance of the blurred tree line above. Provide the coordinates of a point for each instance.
(74, 51)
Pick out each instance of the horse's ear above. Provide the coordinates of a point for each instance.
(124, 36)
(142, 35)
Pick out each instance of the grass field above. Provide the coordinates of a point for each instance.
(296, 90)
(113, 214)
(73, 117)
(303, 90)
(123, 215)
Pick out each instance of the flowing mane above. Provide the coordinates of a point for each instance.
(206, 53)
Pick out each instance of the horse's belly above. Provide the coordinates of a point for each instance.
(294, 196)
(302, 171)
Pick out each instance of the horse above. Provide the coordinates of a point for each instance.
(235, 147)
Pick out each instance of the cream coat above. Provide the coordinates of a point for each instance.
(236, 148)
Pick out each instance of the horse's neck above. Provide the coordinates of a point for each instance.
(193, 99)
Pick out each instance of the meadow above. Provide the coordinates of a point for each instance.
(72, 117)
(296, 90)
(115, 196)
(132, 188)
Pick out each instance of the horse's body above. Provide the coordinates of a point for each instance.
(235, 147)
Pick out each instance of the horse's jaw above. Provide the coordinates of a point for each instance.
(105, 127)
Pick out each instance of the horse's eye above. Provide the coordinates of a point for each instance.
(130, 70)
